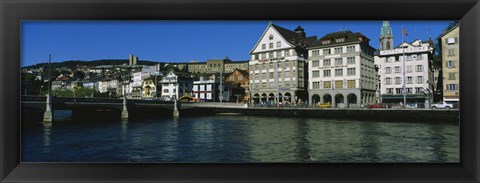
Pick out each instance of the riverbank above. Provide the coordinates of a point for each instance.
(405, 115)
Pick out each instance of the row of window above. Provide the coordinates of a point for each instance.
(273, 85)
(398, 69)
(272, 65)
(277, 54)
(409, 80)
(337, 40)
(215, 65)
(338, 72)
(407, 58)
(338, 84)
(180, 85)
(270, 45)
(337, 50)
(338, 61)
(272, 75)
(409, 90)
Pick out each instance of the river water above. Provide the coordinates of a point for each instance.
(238, 139)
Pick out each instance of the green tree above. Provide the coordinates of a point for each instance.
(62, 92)
(84, 92)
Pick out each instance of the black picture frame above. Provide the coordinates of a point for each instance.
(12, 12)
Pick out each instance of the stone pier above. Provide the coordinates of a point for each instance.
(176, 114)
(48, 114)
(124, 115)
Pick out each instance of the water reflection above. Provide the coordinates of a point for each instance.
(47, 133)
(302, 143)
(241, 139)
(124, 129)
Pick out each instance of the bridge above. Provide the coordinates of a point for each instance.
(86, 105)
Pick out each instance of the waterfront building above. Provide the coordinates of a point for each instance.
(149, 88)
(419, 75)
(214, 66)
(176, 84)
(277, 65)
(136, 84)
(450, 49)
(235, 82)
(341, 70)
(206, 89)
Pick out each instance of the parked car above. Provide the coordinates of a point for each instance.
(378, 105)
(325, 105)
(442, 105)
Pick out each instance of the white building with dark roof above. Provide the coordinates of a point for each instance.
(277, 65)
(176, 84)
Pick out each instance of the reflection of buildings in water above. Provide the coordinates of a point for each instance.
(303, 145)
(410, 142)
(370, 148)
(332, 141)
(274, 140)
(223, 139)
(445, 143)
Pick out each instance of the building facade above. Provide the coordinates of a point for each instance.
(451, 64)
(235, 82)
(419, 75)
(277, 66)
(341, 70)
(214, 66)
(176, 85)
(206, 89)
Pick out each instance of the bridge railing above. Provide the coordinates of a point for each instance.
(90, 100)
(140, 101)
(214, 104)
(33, 98)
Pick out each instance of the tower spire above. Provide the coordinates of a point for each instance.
(386, 36)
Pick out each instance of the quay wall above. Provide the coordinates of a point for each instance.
(404, 115)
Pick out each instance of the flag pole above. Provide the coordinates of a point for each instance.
(403, 60)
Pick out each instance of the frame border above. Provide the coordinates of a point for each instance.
(12, 12)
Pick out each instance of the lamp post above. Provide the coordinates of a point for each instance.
(221, 87)
(278, 84)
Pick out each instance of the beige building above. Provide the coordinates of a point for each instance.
(214, 66)
(451, 64)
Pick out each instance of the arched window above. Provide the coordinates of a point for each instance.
(388, 45)
(270, 37)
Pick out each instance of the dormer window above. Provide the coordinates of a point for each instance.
(270, 37)
(340, 40)
(326, 42)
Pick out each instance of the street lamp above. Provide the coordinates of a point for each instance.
(221, 87)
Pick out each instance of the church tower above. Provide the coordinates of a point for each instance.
(386, 36)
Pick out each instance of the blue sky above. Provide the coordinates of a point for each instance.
(181, 41)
